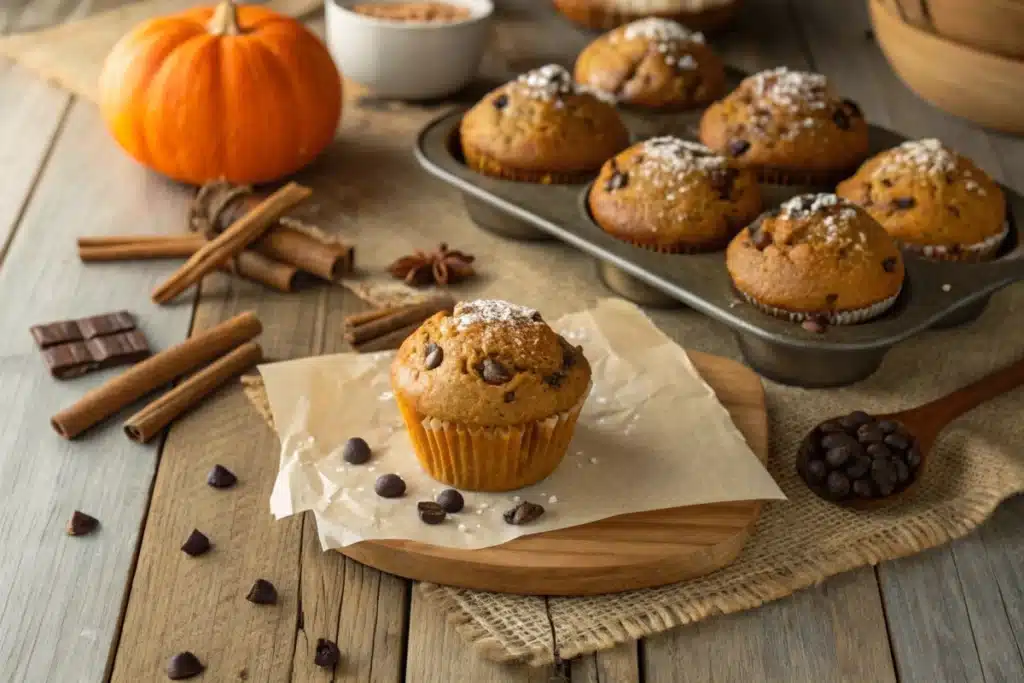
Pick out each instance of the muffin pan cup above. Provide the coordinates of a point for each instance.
(935, 292)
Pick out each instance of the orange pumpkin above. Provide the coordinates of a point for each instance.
(237, 93)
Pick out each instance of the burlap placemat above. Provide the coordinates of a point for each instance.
(71, 54)
(978, 462)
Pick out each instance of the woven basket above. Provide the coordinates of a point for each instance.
(994, 26)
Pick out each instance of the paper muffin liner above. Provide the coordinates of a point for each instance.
(979, 251)
(785, 176)
(599, 15)
(481, 163)
(493, 459)
(852, 317)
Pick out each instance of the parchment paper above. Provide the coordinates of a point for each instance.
(652, 435)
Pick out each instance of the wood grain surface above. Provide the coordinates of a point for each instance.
(954, 614)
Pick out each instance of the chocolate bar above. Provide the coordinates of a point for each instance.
(76, 358)
(51, 334)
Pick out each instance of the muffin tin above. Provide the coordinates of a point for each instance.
(935, 293)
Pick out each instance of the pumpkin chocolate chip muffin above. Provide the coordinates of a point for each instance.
(654, 63)
(932, 201)
(817, 257)
(790, 126)
(672, 195)
(490, 395)
(541, 128)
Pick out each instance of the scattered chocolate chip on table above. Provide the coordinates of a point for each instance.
(82, 524)
(262, 593)
(196, 544)
(221, 477)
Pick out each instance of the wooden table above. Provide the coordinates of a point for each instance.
(116, 604)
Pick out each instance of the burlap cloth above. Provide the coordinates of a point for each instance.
(370, 189)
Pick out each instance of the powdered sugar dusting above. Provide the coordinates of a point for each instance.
(675, 155)
(493, 312)
(834, 215)
(551, 82)
(793, 90)
(927, 157)
(666, 37)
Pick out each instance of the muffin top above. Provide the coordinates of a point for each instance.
(653, 63)
(490, 363)
(788, 120)
(543, 121)
(928, 195)
(816, 253)
(673, 195)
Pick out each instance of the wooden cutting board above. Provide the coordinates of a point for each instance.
(622, 553)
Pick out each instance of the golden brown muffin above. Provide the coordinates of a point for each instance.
(673, 195)
(932, 200)
(817, 257)
(490, 395)
(654, 63)
(602, 15)
(789, 126)
(541, 128)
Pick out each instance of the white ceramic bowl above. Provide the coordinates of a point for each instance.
(408, 60)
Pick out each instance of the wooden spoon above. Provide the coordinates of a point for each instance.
(927, 421)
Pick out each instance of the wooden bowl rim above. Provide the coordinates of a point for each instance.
(896, 23)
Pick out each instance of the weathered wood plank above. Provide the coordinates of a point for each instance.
(437, 653)
(30, 114)
(621, 664)
(953, 613)
(62, 595)
(835, 632)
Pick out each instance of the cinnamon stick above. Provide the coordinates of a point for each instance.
(148, 422)
(400, 318)
(249, 264)
(387, 342)
(357, 319)
(231, 242)
(156, 371)
(136, 247)
(219, 204)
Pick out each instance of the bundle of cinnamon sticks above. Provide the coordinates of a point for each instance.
(229, 350)
(384, 329)
(237, 231)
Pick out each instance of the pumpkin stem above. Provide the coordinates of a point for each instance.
(225, 20)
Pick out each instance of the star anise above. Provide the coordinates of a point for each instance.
(442, 267)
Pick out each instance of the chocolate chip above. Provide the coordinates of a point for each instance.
(870, 433)
(356, 451)
(858, 466)
(569, 356)
(430, 512)
(886, 182)
(903, 203)
(882, 472)
(500, 102)
(722, 181)
(184, 665)
(738, 147)
(555, 379)
(82, 524)
(856, 419)
(327, 654)
(889, 265)
(510, 396)
(862, 488)
(838, 485)
(536, 317)
(816, 471)
(852, 108)
(898, 441)
(831, 299)
(389, 486)
(262, 593)
(434, 356)
(812, 325)
(953, 211)
(836, 457)
(221, 477)
(196, 544)
(879, 451)
(616, 181)
(524, 513)
(902, 471)
(841, 119)
(913, 457)
(451, 501)
(839, 439)
(759, 237)
(493, 372)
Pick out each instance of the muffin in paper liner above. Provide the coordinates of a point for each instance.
(481, 163)
(851, 317)
(482, 458)
(604, 15)
(966, 253)
(802, 178)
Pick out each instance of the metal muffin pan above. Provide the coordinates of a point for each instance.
(935, 293)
